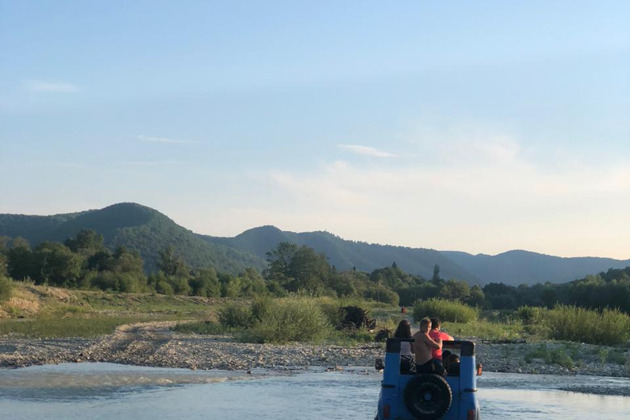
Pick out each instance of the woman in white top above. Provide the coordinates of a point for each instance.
(406, 357)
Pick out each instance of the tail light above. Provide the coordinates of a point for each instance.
(386, 411)
(471, 414)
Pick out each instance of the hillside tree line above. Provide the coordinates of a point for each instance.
(84, 262)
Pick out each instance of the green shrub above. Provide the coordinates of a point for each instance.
(618, 357)
(233, 315)
(163, 288)
(331, 308)
(292, 319)
(261, 306)
(559, 356)
(531, 315)
(610, 327)
(446, 310)
(482, 328)
(6, 288)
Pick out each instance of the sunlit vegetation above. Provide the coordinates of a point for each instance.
(104, 288)
(446, 310)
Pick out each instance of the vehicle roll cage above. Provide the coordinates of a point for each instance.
(466, 348)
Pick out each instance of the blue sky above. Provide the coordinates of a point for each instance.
(473, 126)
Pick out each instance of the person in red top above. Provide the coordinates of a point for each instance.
(435, 333)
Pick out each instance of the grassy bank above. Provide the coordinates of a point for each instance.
(40, 311)
(47, 312)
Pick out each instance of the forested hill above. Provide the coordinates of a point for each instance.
(524, 267)
(149, 231)
(135, 227)
(345, 254)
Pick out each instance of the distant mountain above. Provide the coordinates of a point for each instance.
(135, 227)
(148, 231)
(524, 267)
(345, 254)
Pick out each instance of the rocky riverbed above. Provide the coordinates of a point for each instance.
(155, 344)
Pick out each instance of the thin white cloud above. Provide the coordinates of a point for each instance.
(153, 139)
(366, 150)
(50, 86)
(477, 196)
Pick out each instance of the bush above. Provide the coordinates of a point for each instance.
(163, 288)
(610, 327)
(531, 315)
(292, 319)
(446, 310)
(233, 315)
(120, 282)
(6, 288)
(331, 308)
(261, 306)
(557, 356)
(382, 294)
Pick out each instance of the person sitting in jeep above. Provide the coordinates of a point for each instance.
(436, 333)
(406, 351)
(423, 345)
(452, 365)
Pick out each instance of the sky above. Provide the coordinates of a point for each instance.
(453, 125)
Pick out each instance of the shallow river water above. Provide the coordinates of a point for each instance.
(109, 391)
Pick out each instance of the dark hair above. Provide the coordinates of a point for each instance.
(445, 354)
(403, 330)
(452, 358)
(435, 322)
(452, 365)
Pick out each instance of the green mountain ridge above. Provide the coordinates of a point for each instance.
(148, 231)
(135, 227)
(345, 254)
(520, 267)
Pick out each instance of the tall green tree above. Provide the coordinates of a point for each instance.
(205, 282)
(279, 260)
(170, 263)
(57, 265)
(86, 243)
(21, 263)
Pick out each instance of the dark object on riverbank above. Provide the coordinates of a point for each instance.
(382, 335)
(355, 317)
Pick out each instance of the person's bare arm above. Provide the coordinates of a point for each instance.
(436, 344)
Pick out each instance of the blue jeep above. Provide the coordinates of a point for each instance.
(407, 396)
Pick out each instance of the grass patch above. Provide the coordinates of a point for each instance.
(446, 310)
(484, 329)
(557, 356)
(292, 319)
(610, 327)
(86, 327)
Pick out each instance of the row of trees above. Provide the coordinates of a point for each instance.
(84, 262)
(610, 289)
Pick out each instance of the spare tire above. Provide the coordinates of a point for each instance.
(428, 396)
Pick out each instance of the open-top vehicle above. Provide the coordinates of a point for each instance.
(410, 396)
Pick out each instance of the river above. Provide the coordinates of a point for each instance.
(109, 391)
